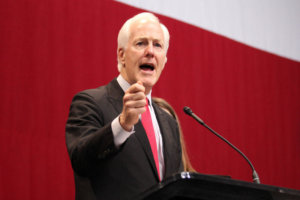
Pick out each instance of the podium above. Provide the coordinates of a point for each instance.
(194, 186)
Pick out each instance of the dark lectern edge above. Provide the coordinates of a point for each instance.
(218, 179)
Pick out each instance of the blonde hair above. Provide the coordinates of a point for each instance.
(187, 166)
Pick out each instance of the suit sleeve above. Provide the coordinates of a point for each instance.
(89, 138)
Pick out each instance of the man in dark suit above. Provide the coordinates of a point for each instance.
(112, 154)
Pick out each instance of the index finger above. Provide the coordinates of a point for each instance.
(137, 87)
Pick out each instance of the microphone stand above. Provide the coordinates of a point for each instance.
(189, 112)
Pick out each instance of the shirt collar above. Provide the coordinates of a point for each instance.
(125, 85)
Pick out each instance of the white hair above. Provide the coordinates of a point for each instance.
(124, 32)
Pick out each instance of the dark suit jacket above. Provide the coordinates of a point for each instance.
(103, 171)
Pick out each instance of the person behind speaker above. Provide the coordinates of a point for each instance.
(187, 165)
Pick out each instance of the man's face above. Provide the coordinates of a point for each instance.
(144, 57)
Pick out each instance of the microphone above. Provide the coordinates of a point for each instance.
(189, 112)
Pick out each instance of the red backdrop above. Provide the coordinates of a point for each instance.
(50, 50)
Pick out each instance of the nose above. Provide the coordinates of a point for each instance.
(149, 50)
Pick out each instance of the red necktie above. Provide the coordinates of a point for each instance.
(148, 126)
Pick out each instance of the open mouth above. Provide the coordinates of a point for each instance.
(147, 67)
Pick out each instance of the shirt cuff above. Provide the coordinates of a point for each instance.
(120, 134)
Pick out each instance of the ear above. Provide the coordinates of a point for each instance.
(121, 55)
(165, 62)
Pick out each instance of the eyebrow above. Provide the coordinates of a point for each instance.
(145, 38)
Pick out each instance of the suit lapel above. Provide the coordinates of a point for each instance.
(166, 133)
(115, 96)
(141, 135)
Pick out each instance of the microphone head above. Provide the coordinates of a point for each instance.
(187, 110)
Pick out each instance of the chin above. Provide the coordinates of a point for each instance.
(148, 83)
